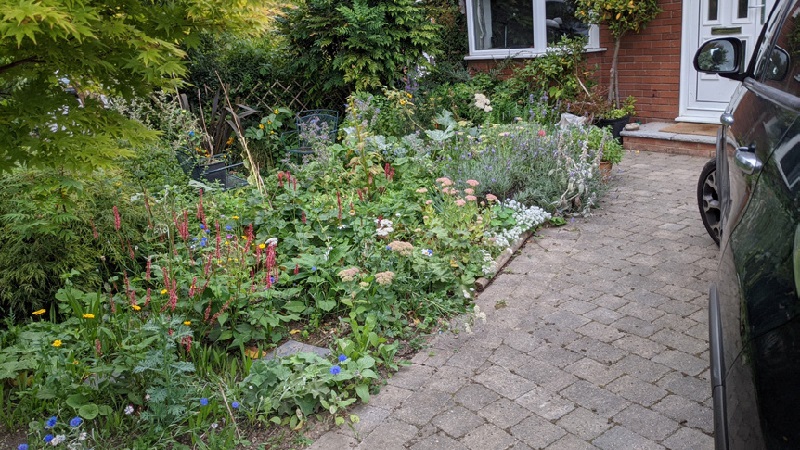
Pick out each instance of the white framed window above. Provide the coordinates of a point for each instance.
(522, 28)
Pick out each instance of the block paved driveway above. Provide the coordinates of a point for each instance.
(596, 337)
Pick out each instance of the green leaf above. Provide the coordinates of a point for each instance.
(76, 400)
(88, 411)
(362, 390)
(326, 305)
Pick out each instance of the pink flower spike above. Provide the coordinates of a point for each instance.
(117, 220)
(491, 197)
(473, 183)
(460, 202)
(471, 198)
(542, 133)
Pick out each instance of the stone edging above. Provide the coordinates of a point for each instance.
(483, 282)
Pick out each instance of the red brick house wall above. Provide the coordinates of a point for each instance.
(649, 64)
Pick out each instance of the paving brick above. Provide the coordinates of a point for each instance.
(570, 442)
(682, 362)
(680, 341)
(504, 413)
(546, 404)
(457, 421)
(595, 399)
(488, 437)
(546, 375)
(438, 441)
(647, 423)
(391, 396)
(475, 396)
(386, 435)
(334, 440)
(692, 388)
(598, 351)
(636, 390)
(422, 406)
(621, 438)
(593, 371)
(537, 432)
(640, 311)
(686, 412)
(555, 354)
(639, 346)
(411, 377)
(584, 424)
(601, 332)
(639, 327)
(449, 379)
(603, 315)
(505, 383)
(689, 439)
(641, 368)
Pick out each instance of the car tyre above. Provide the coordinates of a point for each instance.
(708, 200)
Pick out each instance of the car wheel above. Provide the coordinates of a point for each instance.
(708, 200)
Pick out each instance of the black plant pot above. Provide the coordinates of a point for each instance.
(617, 125)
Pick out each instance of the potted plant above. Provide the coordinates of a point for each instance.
(616, 117)
(621, 17)
(612, 151)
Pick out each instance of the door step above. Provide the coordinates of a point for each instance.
(680, 138)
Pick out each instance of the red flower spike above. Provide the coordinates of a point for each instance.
(296, 269)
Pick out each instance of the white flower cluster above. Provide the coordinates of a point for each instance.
(526, 218)
(384, 227)
(489, 265)
(481, 102)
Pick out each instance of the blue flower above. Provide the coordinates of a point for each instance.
(202, 227)
(228, 227)
(51, 422)
(191, 134)
(272, 279)
(203, 401)
(22, 447)
(389, 247)
(313, 268)
(335, 370)
(342, 358)
(235, 405)
(427, 252)
(75, 422)
(203, 242)
(48, 438)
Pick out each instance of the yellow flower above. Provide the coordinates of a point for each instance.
(187, 323)
(75, 362)
(261, 125)
(262, 246)
(163, 291)
(269, 122)
(229, 141)
(88, 316)
(408, 94)
(235, 217)
(57, 343)
(276, 111)
(244, 237)
(136, 307)
(39, 312)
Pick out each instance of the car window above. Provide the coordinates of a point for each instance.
(781, 62)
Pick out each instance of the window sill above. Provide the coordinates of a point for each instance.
(518, 55)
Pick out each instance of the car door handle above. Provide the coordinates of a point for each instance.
(747, 161)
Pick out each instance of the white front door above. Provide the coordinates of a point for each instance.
(704, 97)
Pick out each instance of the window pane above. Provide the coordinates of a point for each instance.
(503, 24)
(561, 21)
(742, 13)
(713, 7)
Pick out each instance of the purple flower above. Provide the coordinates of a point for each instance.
(203, 242)
(75, 422)
(203, 401)
(342, 358)
(48, 438)
(235, 405)
(202, 227)
(51, 422)
(335, 370)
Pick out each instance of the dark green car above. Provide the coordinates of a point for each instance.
(750, 200)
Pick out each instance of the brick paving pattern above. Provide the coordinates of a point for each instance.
(596, 337)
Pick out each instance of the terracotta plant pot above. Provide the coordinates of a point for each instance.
(605, 170)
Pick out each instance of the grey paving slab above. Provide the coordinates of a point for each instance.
(596, 337)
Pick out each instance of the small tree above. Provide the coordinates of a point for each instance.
(621, 17)
(52, 51)
(358, 44)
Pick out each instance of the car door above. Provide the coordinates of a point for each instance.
(759, 311)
